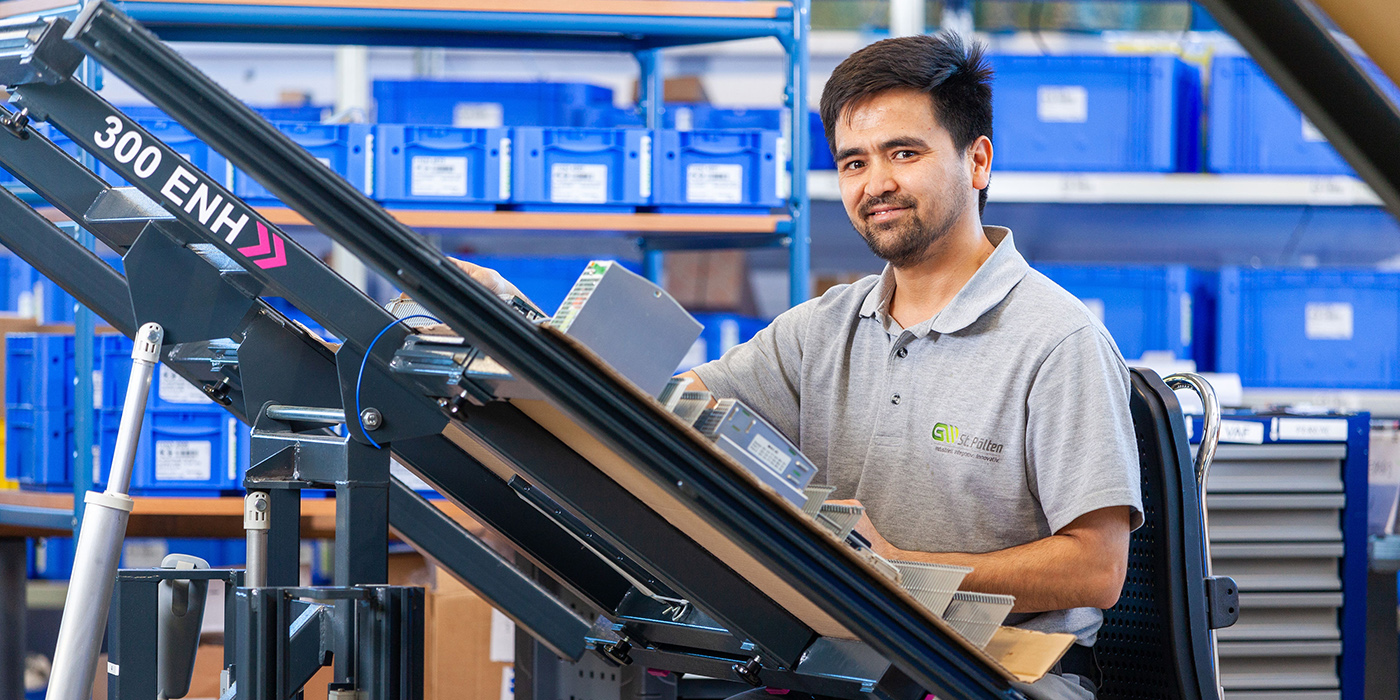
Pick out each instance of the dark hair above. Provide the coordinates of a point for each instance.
(953, 73)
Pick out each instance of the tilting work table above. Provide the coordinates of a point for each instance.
(688, 561)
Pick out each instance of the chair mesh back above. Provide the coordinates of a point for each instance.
(1134, 643)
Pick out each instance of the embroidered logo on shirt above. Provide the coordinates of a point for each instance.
(950, 434)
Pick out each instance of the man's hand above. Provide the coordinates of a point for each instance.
(878, 543)
(488, 278)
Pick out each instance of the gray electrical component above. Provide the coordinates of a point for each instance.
(628, 321)
(765, 452)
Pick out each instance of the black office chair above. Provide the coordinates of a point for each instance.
(1158, 642)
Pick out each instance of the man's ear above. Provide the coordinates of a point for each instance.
(980, 161)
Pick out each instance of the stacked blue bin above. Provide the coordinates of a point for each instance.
(567, 169)
(1310, 328)
(718, 171)
(441, 167)
(1096, 113)
(39, 410)
(1254, 127)
(1147, 308)
(486, 104)
(341, 147)
(33, 295)
(723, 331)
(188, 446)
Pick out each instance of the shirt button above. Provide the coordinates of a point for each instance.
(902, 352)
(895, 399)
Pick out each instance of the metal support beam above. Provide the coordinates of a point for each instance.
(13, 605)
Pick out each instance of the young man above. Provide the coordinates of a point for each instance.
(976, 410)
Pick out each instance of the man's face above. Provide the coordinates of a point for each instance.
(903, 182)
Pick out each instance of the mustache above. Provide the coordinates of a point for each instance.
(902, 201)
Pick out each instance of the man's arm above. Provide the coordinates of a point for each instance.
(1082, 565)
(695, 383)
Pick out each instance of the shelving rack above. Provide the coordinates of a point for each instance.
(639, 27)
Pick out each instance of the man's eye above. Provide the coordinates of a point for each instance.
(852, 165)
(904, 154)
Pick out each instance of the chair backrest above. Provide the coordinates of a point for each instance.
(1154, 644)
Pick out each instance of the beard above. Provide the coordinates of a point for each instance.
(907, 241)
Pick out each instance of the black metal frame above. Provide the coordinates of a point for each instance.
(602, 405)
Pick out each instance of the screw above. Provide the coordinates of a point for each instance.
(371, 418)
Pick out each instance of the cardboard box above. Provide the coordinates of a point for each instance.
(710, 280)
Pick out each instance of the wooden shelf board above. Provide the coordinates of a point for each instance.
(564, 221)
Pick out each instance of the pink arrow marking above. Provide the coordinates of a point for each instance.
(261, 248)
(279, 257)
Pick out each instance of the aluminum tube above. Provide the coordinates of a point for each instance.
(255, 571)
(144, 355)
(89, 596)
(306, 414)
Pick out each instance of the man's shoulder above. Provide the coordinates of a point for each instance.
(1039, 303)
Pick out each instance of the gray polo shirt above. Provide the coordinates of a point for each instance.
(993, 424)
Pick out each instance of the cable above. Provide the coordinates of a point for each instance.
(359, 418)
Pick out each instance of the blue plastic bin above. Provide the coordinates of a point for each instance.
(1310, 328)
(546, 281)
(184, 143)
(39, 447)
(1254, 127)
(183, 452)
(33, 295)
(39, 370)
(562, 169)
(714, 170)
(1162, 308)
(148, 552)
(169, 391)
(441, 166)
(822, 157)
(340, 146)
(1096, 113)
(484, 104)
(51, 558)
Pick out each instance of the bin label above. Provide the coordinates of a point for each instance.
(1247, 432)
(184, 460)
(1311, 133)
(438, 176)
(479, 115)
(584, 183)
(1312, 429)
(1062, 103)
(1328, 320)
(172, 388)
(714, 183)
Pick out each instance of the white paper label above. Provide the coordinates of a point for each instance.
(143, 553)
(770, 454)
(438, 176)
(644, 182)
(1314, 429)
(1095, 307)
(172, 388)
(502, 638)
(714, 183)
(113, 669)
(231, 439)
(1242, 431)
(481, 115)
(97, 388)
(1328, 321)
(184, 460)
(213, 609)
(585, 183)
(728, 334)
(505, 170)
(1311, 133)
(1186, 312)
(508, 683)
(1062, 103)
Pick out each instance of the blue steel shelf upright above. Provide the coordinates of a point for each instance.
(642, 28)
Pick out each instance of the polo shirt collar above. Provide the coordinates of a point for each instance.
(1002, 271)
